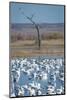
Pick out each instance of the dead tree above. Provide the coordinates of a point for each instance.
(36, 27)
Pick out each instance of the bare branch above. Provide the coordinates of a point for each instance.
(32, 16)
(36, 26)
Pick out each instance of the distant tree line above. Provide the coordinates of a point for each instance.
(33, 37)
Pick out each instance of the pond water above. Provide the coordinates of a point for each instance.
(33, 76)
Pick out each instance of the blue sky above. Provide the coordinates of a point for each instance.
(42, 13)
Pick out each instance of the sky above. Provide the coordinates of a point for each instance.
(42, 13)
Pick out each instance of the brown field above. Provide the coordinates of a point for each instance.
(51, 47)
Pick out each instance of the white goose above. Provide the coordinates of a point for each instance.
(39, 92)
(18, 74)
(44, 77)
(21, 92)
(60, 90)
(32, 92)
(50, 89)
(13, 95)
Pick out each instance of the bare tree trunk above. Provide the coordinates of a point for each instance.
(36, 26)
(39, 42)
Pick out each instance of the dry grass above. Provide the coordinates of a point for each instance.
(54, 47)
(53, 42)
(20, 43)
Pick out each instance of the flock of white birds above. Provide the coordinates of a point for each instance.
(35, 76)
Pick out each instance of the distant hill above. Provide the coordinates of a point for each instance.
(20, 26)
(29, 29)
